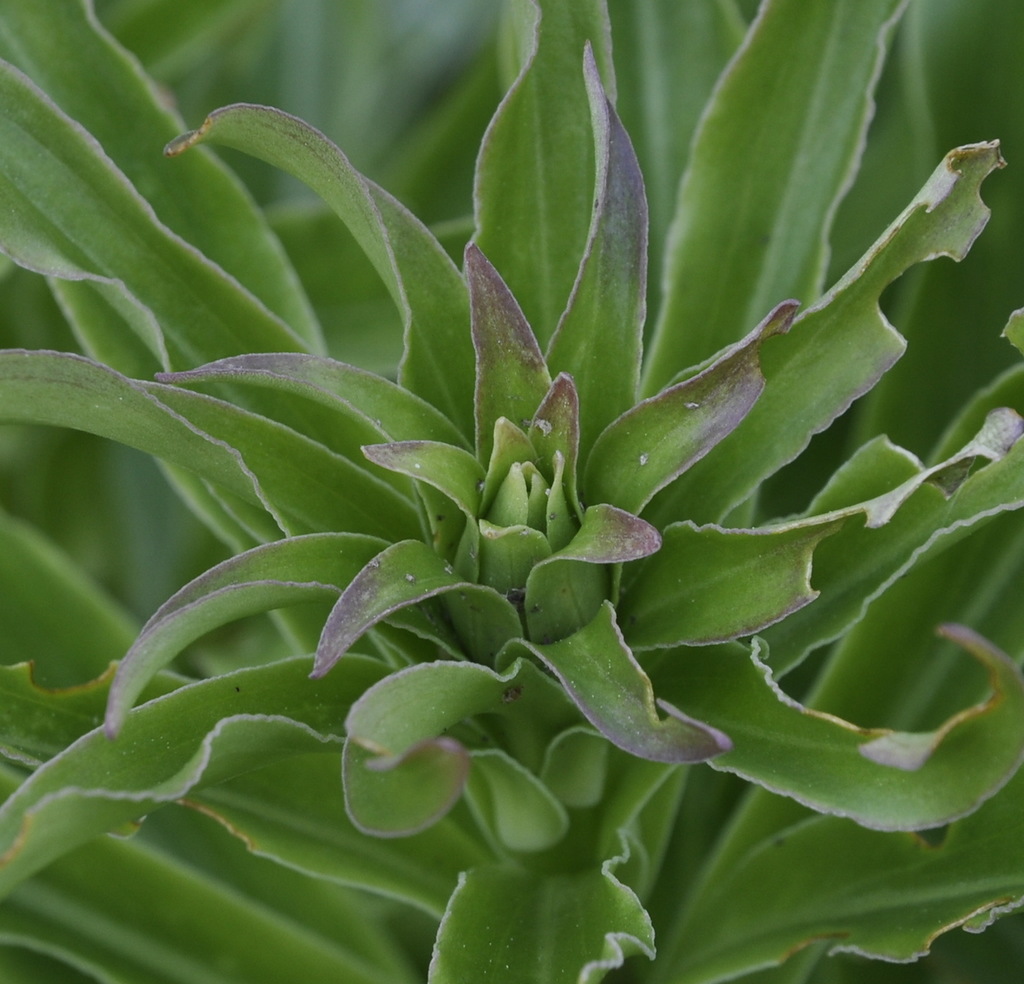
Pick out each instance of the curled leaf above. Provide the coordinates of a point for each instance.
(285, 572)
(820, 760)
(402, 771)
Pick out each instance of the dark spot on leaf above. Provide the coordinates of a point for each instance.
(512, 694)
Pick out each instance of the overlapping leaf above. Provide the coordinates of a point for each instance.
(533, 212)
(605, 313)
(286, 572)
(802, 368)
(200, 200)
(612, 691)
(423, 282)
(886, 895)
(927, 779)
(203, 733)
(403, 770)
(299, 482)
(69, 213)
(776, 147)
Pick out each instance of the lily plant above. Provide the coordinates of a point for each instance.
(536, 609)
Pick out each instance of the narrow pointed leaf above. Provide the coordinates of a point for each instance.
(657, 440)
(611, 690)
(422, 280)
(405, 574)
(37, 722)
(776, 149)
(708, 584)
(149, 920)
(605, 314)
(206, 732)
(396, 412)
(287, 572)
(533, 211)
(69, 391)
(511, 376)
(509, 446)
(820, 760)
(562, 929)
(801, 368)
(238, 450)
(555, 428)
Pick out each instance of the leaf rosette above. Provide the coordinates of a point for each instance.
(542, 558)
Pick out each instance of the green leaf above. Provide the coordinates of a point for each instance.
(555, 429)
(885, 895)
(655, 441)
(299, 482)
(802, 368)
(402, 794)
(668, 57)
(352, 392)
(605, 681)
(402, 772)
(918, 516)
(511, 375)
(776, 149)
(37, 578)
(37, 722)
(97, 227)
(149, 920)
(275, 575)
(199, 200)
(450, 470)
(825, 762)
(565, 590)
(708, 584)
(533, 212)
(605, 313)
(560, 929)
(513, 804)
(422, 280)
(205, 732)
(281, 812)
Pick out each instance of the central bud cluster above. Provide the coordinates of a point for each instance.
(524, 515)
